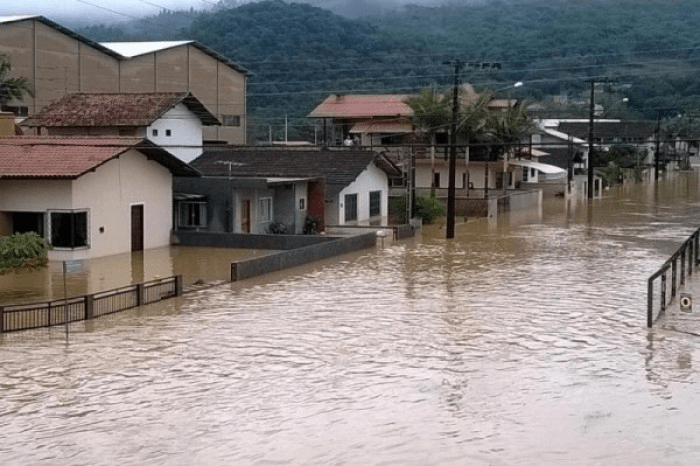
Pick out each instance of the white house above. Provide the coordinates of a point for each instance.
(173, 120)
(247, 189)
(89, 197)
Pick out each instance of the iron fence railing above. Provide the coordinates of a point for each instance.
(687, 254)
(58, 312)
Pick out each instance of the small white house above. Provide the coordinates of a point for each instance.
(173, 120)
(248, 189)
(89, 197)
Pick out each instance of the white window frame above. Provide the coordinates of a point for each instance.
(265, 210)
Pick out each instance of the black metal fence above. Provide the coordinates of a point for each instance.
(58, 312)
(687, 254)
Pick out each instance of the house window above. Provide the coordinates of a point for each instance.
(265, 210)
(302, 203)
(154, 133)
(69, 229)
(350, 207)
(18, 111)
(436, 180)
(193, 214)
(375, 203)
(168, 133)
(231, 120)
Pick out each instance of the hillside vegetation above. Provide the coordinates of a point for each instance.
(649, 50)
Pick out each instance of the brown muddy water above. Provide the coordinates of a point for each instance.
(521, 342)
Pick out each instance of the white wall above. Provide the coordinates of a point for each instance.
(372, 179)
(111, 190)
(185, 141)
(35, 195)
(424, 173)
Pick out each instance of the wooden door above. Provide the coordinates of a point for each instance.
(137, 227)
(245, 216)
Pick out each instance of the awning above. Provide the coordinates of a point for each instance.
(375, 127)
(189, 197)
(534, 152)
(550, 170)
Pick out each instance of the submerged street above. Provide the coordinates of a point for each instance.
(522, 341)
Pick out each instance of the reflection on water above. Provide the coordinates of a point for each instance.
(520, 342)
(106, 273)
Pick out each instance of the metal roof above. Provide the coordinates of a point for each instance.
(135, 49)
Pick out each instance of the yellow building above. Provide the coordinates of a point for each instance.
(58, 61)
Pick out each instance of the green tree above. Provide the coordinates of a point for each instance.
(11, 87)
(430, 115)
(508, 128)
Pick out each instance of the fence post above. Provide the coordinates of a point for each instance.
(89, 307)
(683, 267)
(178, 285)
(690, 258)
(140, 291)
(697, 243)
(2, 319)
(650, 302)
(674, 276)
(663, 292)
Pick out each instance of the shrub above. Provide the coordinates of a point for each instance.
(429, 209)
(23, 250)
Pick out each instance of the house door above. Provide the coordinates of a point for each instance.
(245, 216)
(137, 227)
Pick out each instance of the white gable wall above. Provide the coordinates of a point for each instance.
(372, 179)
(111, 190)
(185, 140)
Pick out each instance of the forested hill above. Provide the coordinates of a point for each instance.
(299, 53)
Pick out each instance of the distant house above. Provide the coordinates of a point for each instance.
(366, 120)
(173, 120)
(58, 61)
(88, 196)
(247, 190)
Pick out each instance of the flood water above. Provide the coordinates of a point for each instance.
(521, 342)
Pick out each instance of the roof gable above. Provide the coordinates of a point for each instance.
(70, 158)
(130, 109)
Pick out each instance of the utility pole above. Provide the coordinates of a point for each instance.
(450, 229)
(591, 116)
(658, 137)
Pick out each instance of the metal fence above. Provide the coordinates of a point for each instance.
(58, 312)
(658, 283)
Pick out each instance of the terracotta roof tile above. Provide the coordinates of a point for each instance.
(69, 158)
(362, 106)
(125, 109)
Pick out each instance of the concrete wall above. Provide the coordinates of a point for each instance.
(286, 259)
(234, 240)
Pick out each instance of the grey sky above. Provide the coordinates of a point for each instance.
(99, 11)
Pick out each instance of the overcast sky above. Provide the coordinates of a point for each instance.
(98, 9)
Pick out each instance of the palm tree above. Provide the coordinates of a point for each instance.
(12, 88)
(506, 130)
(430, 114)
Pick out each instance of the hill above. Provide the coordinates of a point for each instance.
(649, 50)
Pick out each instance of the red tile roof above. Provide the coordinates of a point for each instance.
(69, 158)
(127, 109)
(363, 106)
